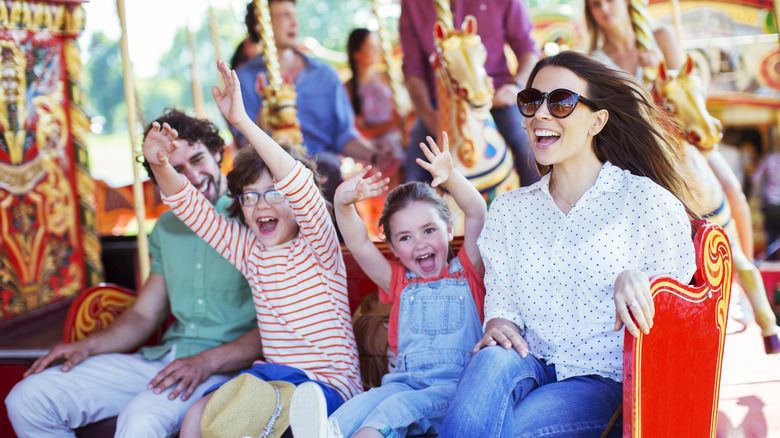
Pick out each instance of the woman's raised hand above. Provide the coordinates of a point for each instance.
(632, 298)
(439, 162)
(159, 143)
(357, 187)
(229, 102)
(504, 333)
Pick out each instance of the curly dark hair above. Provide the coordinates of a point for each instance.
(247, 167)
(192, 130)
(250, 19)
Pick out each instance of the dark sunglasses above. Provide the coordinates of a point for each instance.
(560, 102)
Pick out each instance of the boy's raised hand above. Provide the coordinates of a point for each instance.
(439, 162)
(159, 144)
(357, 188)
(230, 103)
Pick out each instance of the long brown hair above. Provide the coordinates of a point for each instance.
(636, 136)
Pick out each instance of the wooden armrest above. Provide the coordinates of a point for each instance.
(671, 377)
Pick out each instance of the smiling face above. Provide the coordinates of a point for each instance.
(370, 52)
(567, 140)
(272, 224)
(609, 13)
(195, 162)
(420, 239)
(284, 20)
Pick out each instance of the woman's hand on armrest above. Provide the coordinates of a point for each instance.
(632, 298)
(504, 333)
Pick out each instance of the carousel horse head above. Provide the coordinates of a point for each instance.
(683, 97)
(465, 96)
(461, 55)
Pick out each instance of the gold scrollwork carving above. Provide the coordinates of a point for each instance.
(13, 86)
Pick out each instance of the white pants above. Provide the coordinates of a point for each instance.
(52, 403)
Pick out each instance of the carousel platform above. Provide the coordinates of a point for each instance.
(749, 404)
(750, 386)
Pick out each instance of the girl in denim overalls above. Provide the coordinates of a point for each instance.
(437, 303)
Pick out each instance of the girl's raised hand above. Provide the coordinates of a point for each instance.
(439, 162)
(357, 188)
(229, 102)
(159, 143)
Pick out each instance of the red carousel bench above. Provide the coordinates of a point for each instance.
(671, 377)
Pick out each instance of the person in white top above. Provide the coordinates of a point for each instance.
(568, 259)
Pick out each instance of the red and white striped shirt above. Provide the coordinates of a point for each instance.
(299, 287)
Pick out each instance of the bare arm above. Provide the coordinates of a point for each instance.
(231, 104)
(126, 333)
(507, 94)
(353, 230)
(467, 197)
(188, 373)
(670, 50)
(525, 63)
(363, 150)
(418, 93)
(740, 210)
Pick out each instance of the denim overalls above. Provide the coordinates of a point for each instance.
(438, 326)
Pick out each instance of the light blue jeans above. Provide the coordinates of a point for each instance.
(501, 394)
(438, 326)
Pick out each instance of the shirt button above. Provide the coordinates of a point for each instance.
(483, 7)
(192, 326)
(198, 266)
(200, 302)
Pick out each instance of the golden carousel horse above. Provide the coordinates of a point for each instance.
(683, 96)
(465, 95)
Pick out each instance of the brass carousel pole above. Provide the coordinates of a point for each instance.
(197, 90)
(677, 22)
(279, 113)
(400, 95)
(138, 194)
(644, 34)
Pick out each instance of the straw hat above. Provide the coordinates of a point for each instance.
(248, 406)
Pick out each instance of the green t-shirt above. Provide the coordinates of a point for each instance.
(209, 297)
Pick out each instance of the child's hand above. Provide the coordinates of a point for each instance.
(439, 162)
(230, 103)
(159, 144)
(356, 188)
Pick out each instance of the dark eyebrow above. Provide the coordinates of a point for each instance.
(196, 156)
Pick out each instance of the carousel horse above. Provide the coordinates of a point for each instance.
(683, 97)
(465, 94)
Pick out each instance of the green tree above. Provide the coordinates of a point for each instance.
(103, 78)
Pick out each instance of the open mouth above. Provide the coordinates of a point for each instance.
(427, 263)
(267, 225)
(545, 137)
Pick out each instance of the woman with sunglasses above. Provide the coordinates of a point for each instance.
(568, 259)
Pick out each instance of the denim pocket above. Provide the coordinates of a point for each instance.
(435, 315)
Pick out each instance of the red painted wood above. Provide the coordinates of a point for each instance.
(672, 375)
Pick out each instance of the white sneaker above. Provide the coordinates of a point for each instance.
(309, 413)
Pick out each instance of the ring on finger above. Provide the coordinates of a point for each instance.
(633, 303)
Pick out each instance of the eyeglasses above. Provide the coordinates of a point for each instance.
(248, 199)
(560, 102)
